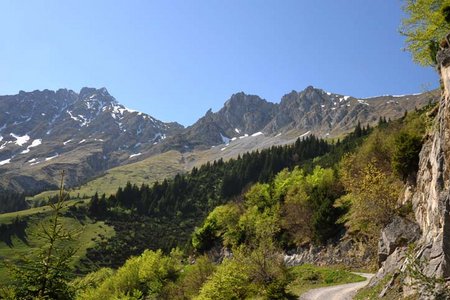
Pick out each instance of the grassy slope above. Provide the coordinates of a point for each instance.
(87, 232)
(7, 218)
(146, 171)
(309, 277)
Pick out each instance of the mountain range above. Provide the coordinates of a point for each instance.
(87, 133)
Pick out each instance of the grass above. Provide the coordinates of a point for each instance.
(372, 292)
(394, 293)
(7, 218)
(307, 277)
(147, 171)
(87, 234)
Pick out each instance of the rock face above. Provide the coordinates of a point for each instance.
(431, 201)
(399, 233)
(346, 252)
(241, 114)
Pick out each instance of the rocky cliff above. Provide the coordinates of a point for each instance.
(431, 200)
(426, 269)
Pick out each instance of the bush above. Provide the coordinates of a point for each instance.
(405, 160)
(144, 276)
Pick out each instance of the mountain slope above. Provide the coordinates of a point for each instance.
(43, 132)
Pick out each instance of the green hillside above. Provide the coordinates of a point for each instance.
(19, 233)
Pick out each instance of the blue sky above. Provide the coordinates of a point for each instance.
(176, 59)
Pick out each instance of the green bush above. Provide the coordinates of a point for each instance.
(405, 160)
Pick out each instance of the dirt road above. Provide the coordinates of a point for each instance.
(337, 292)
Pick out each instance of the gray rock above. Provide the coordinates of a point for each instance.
(399, 233)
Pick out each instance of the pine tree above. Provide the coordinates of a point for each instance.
(48, 275)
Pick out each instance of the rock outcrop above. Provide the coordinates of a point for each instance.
(347, 252)
(430, 200)
(399, 233)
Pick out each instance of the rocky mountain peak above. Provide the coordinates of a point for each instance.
(46, 131)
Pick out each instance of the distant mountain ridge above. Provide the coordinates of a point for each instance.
(312, 111)
(86, 133)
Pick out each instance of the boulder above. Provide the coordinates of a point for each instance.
(399, 233)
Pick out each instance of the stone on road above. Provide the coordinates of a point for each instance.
(337, 292)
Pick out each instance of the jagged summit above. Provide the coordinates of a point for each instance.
(45, 131)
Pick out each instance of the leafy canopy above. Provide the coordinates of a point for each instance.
(424, 28)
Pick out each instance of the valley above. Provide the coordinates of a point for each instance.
(339, 189)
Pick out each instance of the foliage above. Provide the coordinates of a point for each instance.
(267, 270)
(405, 160)
(230, 281)
(192, 279)
(372, 174)
(308, 212)
(182, 202)
(220, 223)
(91, 280)
(424, 28)
(144, 276)
(98, 206)
(372, 196)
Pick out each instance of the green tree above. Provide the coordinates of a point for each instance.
(372, 197)
(145, 276)
(48, 275)
(424, 28)
(405, 160)
(230, 281)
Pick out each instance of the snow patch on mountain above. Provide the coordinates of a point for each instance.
(305, 134)
(51, 157)
(20, 140)
(362, 101)
(35, 143)
(4, 162)
(134, 155)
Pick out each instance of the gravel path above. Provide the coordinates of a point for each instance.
(337, 292)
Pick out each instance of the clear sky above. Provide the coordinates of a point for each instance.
(176, 59)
